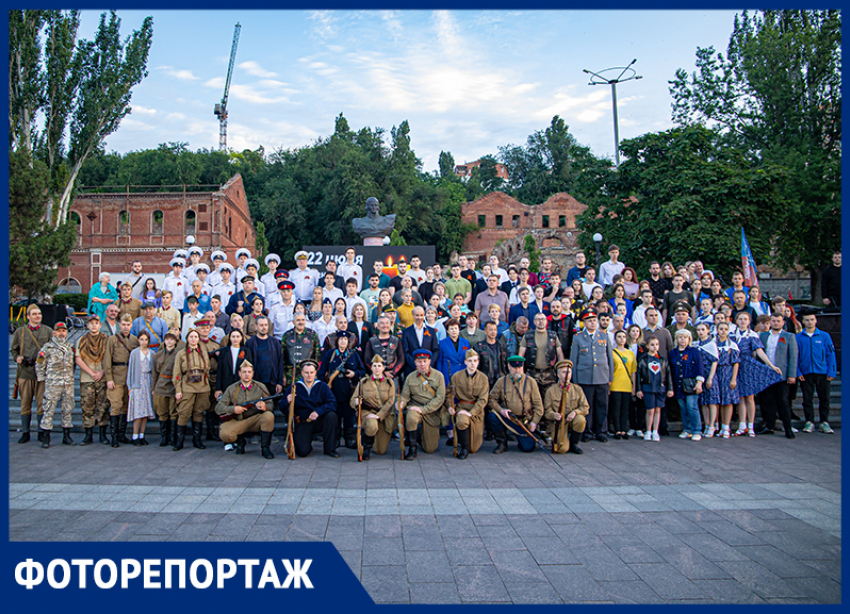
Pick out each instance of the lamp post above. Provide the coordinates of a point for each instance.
(600, 80)
(597, 240)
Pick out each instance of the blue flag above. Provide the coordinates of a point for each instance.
(748, 263)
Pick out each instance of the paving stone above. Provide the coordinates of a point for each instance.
(574, 584)
(667, 582)
(428, 566)
(386, 583)
(434, 593)
(690, 563)
(636, 592)
(466, 551)
(604, 565)
(532, 593)
(480, 583)
(383, 551)
(760, 580)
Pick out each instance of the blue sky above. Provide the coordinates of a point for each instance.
(467, 81)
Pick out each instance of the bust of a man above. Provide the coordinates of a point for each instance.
(373, 225)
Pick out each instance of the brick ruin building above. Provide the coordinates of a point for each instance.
(117, 228)
(504, 222)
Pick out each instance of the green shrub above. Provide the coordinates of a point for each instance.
(78, 302)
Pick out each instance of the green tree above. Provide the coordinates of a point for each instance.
(396, 238)
(776, 95)
(262, 244)
(685, 194)
(36, 249)
(79, 89)
(533, 254)
(447, 167)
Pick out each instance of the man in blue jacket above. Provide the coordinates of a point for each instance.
(315, 412)
(816, 367)
(781, 348)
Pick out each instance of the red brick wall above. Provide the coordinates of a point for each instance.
(222, 221)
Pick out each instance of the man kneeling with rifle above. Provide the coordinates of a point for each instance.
(566, 407)
(247, 407)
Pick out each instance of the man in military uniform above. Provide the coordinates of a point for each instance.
(162, 385)
(593, 360)
(542, 349)
(209, 346)
(91, 352)
(471, 389)
(299, 344)
(378, 418)
(514, 397)
(423, 396)
(115, 364)
(242, 416)
(387, 346)
(127, 304)
(243, 299)
(305, 279)
(314, 412)
(25, 346)
(55, 368)
(573, 411)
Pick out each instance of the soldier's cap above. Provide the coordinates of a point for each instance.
(516, 360)
(343, 333)
(171, 334)
(203, 322)
(281, 273)
(310, 361)
(389, 309)
(562, 364)
(242, 250)
(219, 254)
(59, 326)
(93, 316)
(192, 299)
(271, 257)
(126, 318)
(32, 307)
(301, 254)
(252, 262)
(148, 305)
(284, 284)
(422, 353)
(226, 267)
(181, 253)
(327, 301)
(247, 278)
(246, 363)
(376, 359)
(587, 313)
(196, 250)
(681, 306)
(470, 354)
(177, 262)
(202, 267)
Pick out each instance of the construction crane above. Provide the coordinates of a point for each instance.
(220, 110)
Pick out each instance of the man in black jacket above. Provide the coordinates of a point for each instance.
(830, 285)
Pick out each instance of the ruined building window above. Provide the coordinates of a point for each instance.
(562, 221)
(482, 221)
(498, 221)
(515, 221)
(156, 222)
(190, 223)
(545, 221)
(123, 222)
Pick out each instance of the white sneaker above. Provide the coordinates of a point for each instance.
(696, 437)
(639, 433)
(793, 430)
(684, 435)
(647, 436)
(631, 432)
(228, 447)
(826, 429)
(656, 436)
(809, 428)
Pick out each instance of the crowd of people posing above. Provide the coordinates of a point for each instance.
(635, 349)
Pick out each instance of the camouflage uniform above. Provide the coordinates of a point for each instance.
(93, 399)
(55, 367)
(298, 347)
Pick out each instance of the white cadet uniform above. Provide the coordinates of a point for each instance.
(281, 316)
(224, 291)
(180, 288)
(214, 278)
(270, 285)
(351, 271)
(304, 282)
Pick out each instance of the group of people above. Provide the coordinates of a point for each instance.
(364, 359)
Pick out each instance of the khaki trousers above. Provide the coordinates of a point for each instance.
(30, 389)
(230, 430)
(165, 407)
(430, 428)
(192, 407)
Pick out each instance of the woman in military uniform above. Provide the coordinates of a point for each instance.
(378, 420)
(192, 389)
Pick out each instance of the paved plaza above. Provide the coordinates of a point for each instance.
(736, 521)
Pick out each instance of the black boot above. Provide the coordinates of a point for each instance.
(179, 437)
(367, 446)
(196, 435)
(501, 442)
(122, 430)
(212, 425)
(575, 437)
(410, 439)
(240, 444)
(88, 439)
(450, 442)
(45, 438)
(462, 444)
(174, 433)
(137, 443)
(488, 434)
(114, 422)
(265, 445)
(350, 438)
(66, 438)
(102, 438)
(25, 429)
(164, 433)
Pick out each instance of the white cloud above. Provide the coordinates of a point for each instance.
(140, 110)
(392, 24)
(177, 73)
(134, 124)
(249, 93)
(216, 82)
(254, 69)
(324, 24)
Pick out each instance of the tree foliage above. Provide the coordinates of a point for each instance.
(533, 254)
(776, 95)
(35, 248)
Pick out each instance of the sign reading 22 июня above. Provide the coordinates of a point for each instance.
(365, 256)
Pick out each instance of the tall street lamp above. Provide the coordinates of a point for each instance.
(597, 239)
(598, 79)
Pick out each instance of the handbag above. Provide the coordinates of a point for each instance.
(689, 385)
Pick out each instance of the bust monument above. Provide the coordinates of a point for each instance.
(373, 228)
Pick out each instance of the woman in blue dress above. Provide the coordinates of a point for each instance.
(709, 400)
(755, 375)
(728, 358)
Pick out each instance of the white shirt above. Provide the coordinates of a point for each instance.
(351, 301)
(419, 276)
(214, 278)
(139, 282)
(189, 323)
(332, 294)
(304, 282)
(639, 316)
(772, 343)
(269, 284)
(323, 329)
(351, 271)
(281, 316)
(234, 353)
(420, 333)
(587, 288)
(179, 287)
(502, 273)
(224, 291)
(513, 299)
(607, 270)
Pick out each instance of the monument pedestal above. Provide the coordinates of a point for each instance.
(373, 241)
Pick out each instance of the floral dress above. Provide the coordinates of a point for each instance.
(140, 399)
(727, 356)
(754, 376)
(710, 355)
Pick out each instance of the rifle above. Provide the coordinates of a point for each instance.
(400, 420)
(452, 414)
(336, 372)
(359, 425)
(533, 437)
(18, 367)
(560, 425)
(290, 438)
(252, 404)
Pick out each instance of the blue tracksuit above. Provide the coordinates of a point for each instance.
(816, 354)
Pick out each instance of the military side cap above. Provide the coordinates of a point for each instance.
(561, 364)
(93, 316)
(171, 334)
(588, 313)
(60, 326)
(516, 360)
(271, 257)
(246, 363)
(421, 353)
(32, 307)
(192, 299)
(305, 363)
(284, 284)
(247, 278)
(376, 359)
(301, 254)
(470, 354)
(242, 250)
